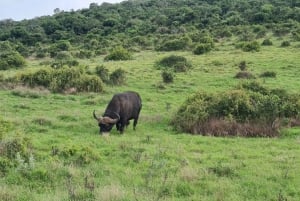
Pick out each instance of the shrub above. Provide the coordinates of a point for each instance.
(103, 73)
(242, 65)
(267, 42)
(176, 44)
(202, 48)
(11, 59)
(118, 77)
(244, 75)
(268, 74)
(252, 46)
(167, 76)
(285, 44)
(176, 63)
(62, 79)
(246, 112)
(118, 54)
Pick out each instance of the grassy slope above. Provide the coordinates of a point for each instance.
(154, 163)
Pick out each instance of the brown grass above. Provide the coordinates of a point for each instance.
(220, 127)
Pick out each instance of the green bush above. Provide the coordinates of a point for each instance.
(267, 42)
(251, 46)
(118, 77)
(268, 74)
(103, 73)
(175, 44)
(202, 48)
(118, 54)
(62, 79)
(244, 75)
(248, 111)
(285, 44)
(167, 76)
(11, 59)
(173, 62)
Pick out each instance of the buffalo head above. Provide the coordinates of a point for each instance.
(105, 123)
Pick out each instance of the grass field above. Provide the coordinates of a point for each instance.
(69, 160)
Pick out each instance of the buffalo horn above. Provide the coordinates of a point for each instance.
(110, 120)
(94, 114)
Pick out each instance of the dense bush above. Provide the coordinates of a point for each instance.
(267, 42)
(173, 62)
(238, 112)
(244, 75)
(11, 59)
(285, 44)
(60, 80)
(252, 46)
(175, 44)
(118, 77)
(268, 74)
(103, 73)
(202, 48)
(167, 76)
(118, 54)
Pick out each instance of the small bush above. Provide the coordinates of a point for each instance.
(62, 79)
(103, 73)
(268, 74)
(118, 77)
(285, 44)
(251, 46)
(243, 65)
(118, 54)
(244, 75)
(267, 42)
(202, 48)
(173, 62)
(176, 44)
(167, 76)
(11, 59)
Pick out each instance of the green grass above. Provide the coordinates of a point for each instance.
(73, 162)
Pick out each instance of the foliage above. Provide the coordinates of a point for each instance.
(202, 48)
(62, 79)
(267, 42)
(285, 44)
(152, 21)
(244, 75)
(9, 57)
(252, 46)
(118, 54)
(117, 77)
(175, 44)
(173, 62)
(167, 76)
(237, 112)
(268, 74)
(103, 73)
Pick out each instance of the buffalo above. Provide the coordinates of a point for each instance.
(121, 109)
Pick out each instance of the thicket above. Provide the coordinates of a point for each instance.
(118, 54)
(10, 57)
(250, 110)
(62, 79)
(174, 63)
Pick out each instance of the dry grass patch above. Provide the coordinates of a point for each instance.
(113, 192)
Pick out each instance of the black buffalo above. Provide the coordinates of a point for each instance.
(121, 109)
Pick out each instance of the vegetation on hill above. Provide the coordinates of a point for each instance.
(162, 25)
